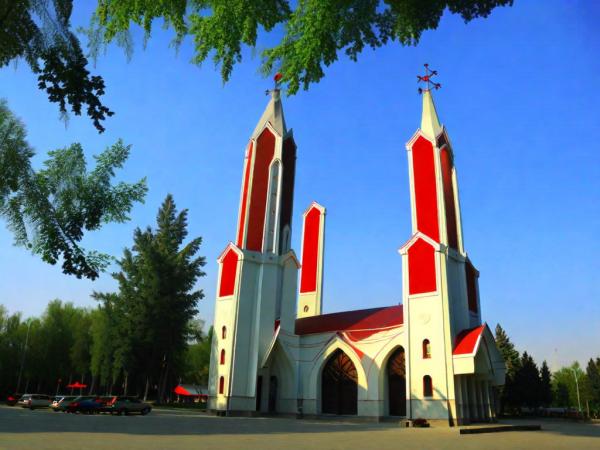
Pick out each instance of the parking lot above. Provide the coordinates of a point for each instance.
(170, 429)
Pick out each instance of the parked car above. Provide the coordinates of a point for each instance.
(125, 405)
(61, 403)
(32, 401)
(85, 405)
(12, 399)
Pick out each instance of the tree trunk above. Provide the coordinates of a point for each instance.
(146, 389)
(92, 385)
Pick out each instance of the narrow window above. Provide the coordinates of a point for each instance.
(426, 349)
(222, 356)
(223, 332)
(427, 386)
(221, 385)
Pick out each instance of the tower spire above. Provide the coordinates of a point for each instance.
(274, 111)
(430, 124)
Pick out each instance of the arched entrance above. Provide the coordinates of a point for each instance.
(396, 373)
(339, 388)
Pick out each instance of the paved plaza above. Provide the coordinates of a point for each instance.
(164, 429)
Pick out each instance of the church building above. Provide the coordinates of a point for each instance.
(274, 351)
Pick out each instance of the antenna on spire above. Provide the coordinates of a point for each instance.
(277, 78)
(427, 79)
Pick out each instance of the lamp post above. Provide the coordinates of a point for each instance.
(23, 356)
(577, 386)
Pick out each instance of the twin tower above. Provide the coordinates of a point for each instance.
(274, 351)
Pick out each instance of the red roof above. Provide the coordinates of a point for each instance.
(367, 321)
(466, 341)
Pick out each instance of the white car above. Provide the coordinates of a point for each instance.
(32, 401)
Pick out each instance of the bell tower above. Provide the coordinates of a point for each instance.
(257, 279)
(440, 294)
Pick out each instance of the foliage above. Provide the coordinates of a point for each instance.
(197, 360)
(509, 395)
(527, 382)
(39, 32)
(566, 382)
(315, 31)
(545, 385)
(50, 209)
(155, 302)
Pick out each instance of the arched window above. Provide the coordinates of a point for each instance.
(222, 356)
(427, 386)
(223, 332)
(221, 385)
(426, 349)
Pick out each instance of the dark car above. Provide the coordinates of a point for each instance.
(85, 405)
(125, 405)
(11, 400)
(62, 402)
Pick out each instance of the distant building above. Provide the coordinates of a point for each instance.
(273, 350)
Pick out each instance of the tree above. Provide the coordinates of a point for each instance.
(197, 360)
(156, 301)
(570, 377)
(315, 31)
(546, 385)
(593, 383)
(509, 395)
(49, 210)
(39, 32)
(528, 383)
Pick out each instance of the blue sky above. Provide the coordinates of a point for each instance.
(519, 100)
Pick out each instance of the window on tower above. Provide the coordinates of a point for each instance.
(221, 385)
(426, 349)
(223, 332)
(427, 386)
(222, 356)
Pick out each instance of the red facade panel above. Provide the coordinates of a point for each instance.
(228, 273)
(242, 221)
(265, 148)
(421, 268)
(425, 188)
(310, 251)
(447, 166)
(471, 286)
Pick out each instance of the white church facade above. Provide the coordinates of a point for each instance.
(273, 350)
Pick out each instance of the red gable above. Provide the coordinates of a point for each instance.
(368, 320)
(466, 341)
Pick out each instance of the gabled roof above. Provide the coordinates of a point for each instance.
(372, 319)
(467, 341)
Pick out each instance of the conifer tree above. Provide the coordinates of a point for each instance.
(593, 380)
(155, 302)
(509, 397)
(546, 385)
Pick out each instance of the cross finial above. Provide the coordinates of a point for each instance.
(427, 79)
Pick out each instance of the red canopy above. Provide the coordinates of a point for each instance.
(76, 385)
(189, 391)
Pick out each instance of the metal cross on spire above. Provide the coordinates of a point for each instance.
(277, 78)
(427, 79)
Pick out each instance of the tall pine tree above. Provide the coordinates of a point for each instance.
(509, 397)
(157, 299)
(546, 385)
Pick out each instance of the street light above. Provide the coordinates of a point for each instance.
(23, 356)
(577, 386)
